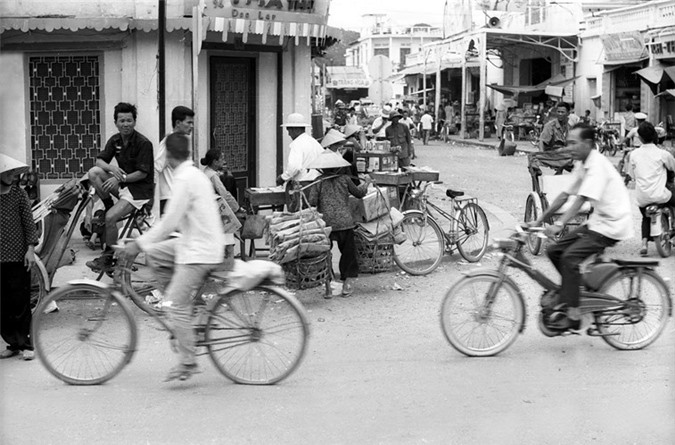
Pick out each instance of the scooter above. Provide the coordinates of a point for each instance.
(662, 228)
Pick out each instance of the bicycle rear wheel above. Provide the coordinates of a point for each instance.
(89, 339)
(472, 232)
(644, 315)
(479, 328)
(140, 282)
(423, 248)
(257, 337)
(664, 241)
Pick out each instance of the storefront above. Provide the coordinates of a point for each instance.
(661, 78)
(247, 72)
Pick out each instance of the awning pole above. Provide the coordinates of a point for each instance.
(438, 83)
(424, 79)
(196, 47)
(161, 16)
(483, 87)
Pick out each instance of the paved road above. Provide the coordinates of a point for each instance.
(378, 370)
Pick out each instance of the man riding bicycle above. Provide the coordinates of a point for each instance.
(183, 263)
(595, 180)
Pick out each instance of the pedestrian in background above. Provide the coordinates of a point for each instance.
(18, 237)
(427, 122)
(398, 135)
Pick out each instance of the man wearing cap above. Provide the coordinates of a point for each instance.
(18, 237)
(381, 123)
(303, 150)
(399, 136)
(632, 137)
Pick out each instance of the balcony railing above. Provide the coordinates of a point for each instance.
(633, 18)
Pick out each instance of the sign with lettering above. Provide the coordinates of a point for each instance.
(348, 83)
(313, 12)
(663, 49)
(623, 46)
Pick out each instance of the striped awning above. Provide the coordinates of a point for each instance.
(226, 26)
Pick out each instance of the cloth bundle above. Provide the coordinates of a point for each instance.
(293, 236)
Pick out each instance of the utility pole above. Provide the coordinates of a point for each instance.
(161, 26)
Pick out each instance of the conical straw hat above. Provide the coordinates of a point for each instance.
(328, 159)
(8, 163)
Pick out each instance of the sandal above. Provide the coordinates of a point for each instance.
(643, 251)
(182, 372)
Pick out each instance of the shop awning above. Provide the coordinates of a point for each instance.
(346, 77)
(667, 93)
(654, 75)
(428, 68)
(556, 81)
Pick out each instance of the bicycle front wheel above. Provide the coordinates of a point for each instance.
(38, 284)
(89, 339)
(644, 315)
(139, 282)
(482, 316)
(472, 232)
(423, 248)
(257, 337)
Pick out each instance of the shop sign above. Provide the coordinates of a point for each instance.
(624, 46)
(348, 83)
(287, 11)
(663, 49)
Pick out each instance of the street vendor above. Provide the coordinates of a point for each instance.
(336, 142)
(554, 134)
(398, 135)
(331, 197)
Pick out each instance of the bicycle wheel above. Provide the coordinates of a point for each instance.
(644, 315)
(472, 232)
(91, 337)
(257, 337)
(613, 145)
(663, 242)
(38, 284)
(423, 248)
(533, 137)
(139, 282)
(509, 135)
(531, 214)
(475, 327)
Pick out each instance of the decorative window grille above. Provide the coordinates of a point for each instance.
(65, 119)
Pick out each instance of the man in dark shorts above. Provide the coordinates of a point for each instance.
(131, 180)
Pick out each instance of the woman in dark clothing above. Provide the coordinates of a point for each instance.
(18, 237)
(331, 197)
(335, 141)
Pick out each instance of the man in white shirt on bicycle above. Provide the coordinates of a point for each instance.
(183, 263)
(595, 179)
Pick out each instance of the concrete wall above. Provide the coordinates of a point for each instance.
(14, 106)
(589, 68)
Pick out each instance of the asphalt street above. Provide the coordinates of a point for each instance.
(378, 369)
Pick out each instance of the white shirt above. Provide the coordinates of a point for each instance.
(192, 210)
(633, 137)
(163, 172)
(427, 121)
(648, 164)
(573, 119)
(598, 180)
(304, 149)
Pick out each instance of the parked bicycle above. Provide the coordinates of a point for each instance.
(431, 231)
(254, 335)
(535, 132)
(626, 301)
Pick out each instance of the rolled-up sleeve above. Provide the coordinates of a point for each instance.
(145, 161)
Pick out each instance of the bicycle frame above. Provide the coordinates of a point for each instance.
(451, 237)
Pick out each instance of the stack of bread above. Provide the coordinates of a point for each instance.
(294, 236)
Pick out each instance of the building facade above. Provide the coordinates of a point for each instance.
(66, 64)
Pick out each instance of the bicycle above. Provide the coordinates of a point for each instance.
(464, 228)
(534, 134)
(253, 335)
(626, 301)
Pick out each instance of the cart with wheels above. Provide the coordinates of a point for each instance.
(546, 188)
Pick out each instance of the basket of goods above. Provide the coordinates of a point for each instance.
(299, 242)
(374, 242)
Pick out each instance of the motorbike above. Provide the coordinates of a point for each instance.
(662, 228)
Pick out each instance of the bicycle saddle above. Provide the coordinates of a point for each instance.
(636, 262)
(453, 193)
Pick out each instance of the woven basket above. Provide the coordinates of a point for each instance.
(307, 273)
(374, 256)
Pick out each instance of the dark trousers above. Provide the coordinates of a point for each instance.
(349, 267)
(568, 254)
(15, 316)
